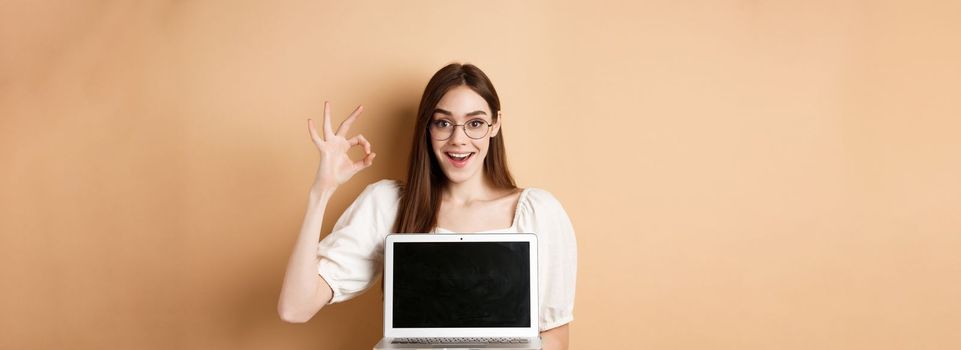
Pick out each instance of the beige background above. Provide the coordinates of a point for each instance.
(740, 174)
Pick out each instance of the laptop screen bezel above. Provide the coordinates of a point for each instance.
(389, 331)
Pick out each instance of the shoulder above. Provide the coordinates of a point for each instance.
(537, 198)
(382, 196)
(540, 207)
(541, 212)
(385, 190)
(375, 205)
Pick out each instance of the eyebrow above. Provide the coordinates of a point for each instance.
(448, 113)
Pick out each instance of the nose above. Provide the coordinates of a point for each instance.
(458, 137)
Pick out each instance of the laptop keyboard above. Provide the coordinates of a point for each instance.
(495, 340)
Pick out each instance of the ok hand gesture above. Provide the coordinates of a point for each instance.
(335, 166)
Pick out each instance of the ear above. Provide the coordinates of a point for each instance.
(497, 124)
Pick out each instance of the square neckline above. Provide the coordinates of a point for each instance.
(517, 211)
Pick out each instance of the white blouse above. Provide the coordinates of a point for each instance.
(352, 256)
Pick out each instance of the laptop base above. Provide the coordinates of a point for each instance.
(532, 344)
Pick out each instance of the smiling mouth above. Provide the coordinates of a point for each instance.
(460, 157)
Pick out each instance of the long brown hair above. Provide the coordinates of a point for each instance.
(420, 196)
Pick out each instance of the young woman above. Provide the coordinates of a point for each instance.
(457, 181)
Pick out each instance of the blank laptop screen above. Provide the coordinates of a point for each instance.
(461, 284)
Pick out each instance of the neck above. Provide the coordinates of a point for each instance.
(468, 191)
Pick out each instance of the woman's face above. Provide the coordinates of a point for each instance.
(460, 156)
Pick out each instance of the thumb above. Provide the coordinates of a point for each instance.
(365, 163)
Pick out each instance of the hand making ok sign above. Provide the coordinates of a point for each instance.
(335, 166)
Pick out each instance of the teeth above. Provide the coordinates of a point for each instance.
(459, 155)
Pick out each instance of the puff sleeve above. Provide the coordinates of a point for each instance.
(351, 257)
(557, 259)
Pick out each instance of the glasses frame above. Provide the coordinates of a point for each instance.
(462, 126)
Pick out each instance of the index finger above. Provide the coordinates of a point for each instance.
(312, 132)
(345, 125)
(328, 131)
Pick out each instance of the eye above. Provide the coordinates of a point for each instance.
(441, 124)
(476, 123)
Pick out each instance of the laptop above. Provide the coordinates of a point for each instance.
(460, 291)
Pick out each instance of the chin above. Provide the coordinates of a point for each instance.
(459, 176)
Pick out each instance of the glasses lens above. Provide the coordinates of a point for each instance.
(476, 128)
(441, 129)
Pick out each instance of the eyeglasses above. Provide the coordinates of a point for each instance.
(442, 129)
